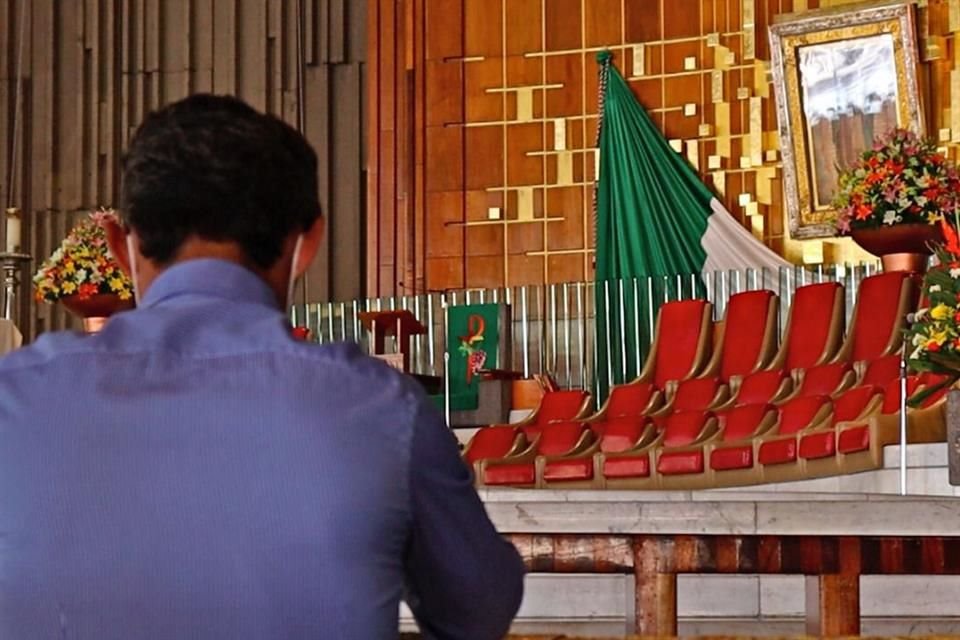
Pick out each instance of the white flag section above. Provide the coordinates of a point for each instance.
(731, 247)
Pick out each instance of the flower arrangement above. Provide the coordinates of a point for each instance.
(82, 266)
(902, 179)
(934, 336)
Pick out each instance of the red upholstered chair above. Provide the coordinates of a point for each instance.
(731, 455)
(632, 468)
(818, 447)
(697, 394)
(798, 415)
(880, 372)
(763, 387)
(814, 328)
(684, 467)
(681, 342)
(585, 469)
(634, 399)
(556, 439)
(748, 336)
(812, 337)
(826, 379)
(860, 442)
(490, 443)
(876, 329)
(555, 406)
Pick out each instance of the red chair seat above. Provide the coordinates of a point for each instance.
(739, 457)
(760, 387)
(824, 379)
(778, 451)
(818, 445)
(627, 467)
(576, 469)
(678, 462)
(516, 473)
(854, 439)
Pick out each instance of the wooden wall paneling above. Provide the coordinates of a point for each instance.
(603, 22)
(562, 25)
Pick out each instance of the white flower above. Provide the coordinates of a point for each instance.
(920, 314)
(916, 353)
(935, 289)
(955, 273)
(917, 340)
(890, 217)
(81, 275)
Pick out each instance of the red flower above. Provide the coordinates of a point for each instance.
(933, 346)
(862, 212)
(931, 193)
(86, 290)
(953, 241)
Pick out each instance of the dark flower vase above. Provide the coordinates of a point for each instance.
(96, 309)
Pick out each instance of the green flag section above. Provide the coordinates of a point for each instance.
(473, 343)
(654, 215)
(655, 218)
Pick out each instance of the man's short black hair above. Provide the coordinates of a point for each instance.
(213, 167)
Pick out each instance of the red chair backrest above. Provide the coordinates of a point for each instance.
(760, 387)
(696, 394)
(491, 442)
(877, 318)
(811, 319)
(891, 394)
(881, 371)
(683, 428)
(745, 328)
(799, 412)
(680, 327)
(851, 403)
(629, 399)
(741, 421)
(558, 406)
(620, 434)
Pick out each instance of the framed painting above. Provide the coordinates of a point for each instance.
(843, 77)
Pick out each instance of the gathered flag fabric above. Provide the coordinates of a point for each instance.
(654, 217)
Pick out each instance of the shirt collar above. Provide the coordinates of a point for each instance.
(209, 277)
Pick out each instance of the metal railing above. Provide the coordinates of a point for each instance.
(555, 327)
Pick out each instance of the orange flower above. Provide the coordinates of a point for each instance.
(953, 241)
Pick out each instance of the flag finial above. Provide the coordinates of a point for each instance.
(603, 57)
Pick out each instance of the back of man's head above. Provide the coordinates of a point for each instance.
(213, 167)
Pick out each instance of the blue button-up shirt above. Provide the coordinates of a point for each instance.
(194, 472)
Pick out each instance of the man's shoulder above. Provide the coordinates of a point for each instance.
(45, 349)
(346, 363)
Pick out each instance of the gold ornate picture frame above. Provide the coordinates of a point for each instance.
(842, 76)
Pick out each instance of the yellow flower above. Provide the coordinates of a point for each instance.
(69, 288)
(124, 295)
(941, 312)
(116, 284)
(68, 267)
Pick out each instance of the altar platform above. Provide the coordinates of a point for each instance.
(749, 562)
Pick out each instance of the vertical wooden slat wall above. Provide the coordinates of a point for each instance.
(91, 69)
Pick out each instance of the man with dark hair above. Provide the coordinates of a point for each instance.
(192, 471)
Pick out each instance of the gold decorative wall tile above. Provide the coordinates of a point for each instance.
(560, 134)
(689, 63)
(757, 222)
(719, 179)
(745, 162)
(765, 175)
(714, 162)
(721, 115)
(639, 59)
(756, 131)
(953, 20)
(716, 86)
(493, 213)
(690, 109)
(524, 104)
(713, 39)
(955, 102)
(677, 145)
(525, 204)
(693, 152)
(761, 78)
(565, 168)
(752, 209)
(944, 135)
(743, 93)
(744, 199)
(771, 155)
(749, 29)
(705, 129)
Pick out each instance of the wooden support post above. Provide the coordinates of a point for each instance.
(656, 587)
(833, 604)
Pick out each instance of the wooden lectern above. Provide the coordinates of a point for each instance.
(402, 324)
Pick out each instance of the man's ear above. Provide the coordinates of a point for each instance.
(309, 246)
(117, 242)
